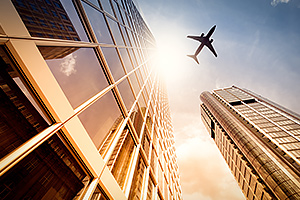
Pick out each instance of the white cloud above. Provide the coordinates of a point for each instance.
(275, 2)
(68, 65)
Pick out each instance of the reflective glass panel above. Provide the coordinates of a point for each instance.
(113, 62)
(126, 59)
(121, 157)
(100, 117)
(106, 6)
(20, 115)
(134, 83)
(125, 35)
(49, 172)
(138, 178)
(126, 93)
(116, 31)
(77, 71)
(95, 2)
(137, 120)
(51, 19)
(118, 15)
(98, 23)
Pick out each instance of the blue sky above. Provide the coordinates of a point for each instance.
(258, 46)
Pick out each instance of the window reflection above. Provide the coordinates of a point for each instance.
(106, 6)
(137, 120)
(100, 117)
(48, 172)
(79, 73)
(138, 178)
(118, 15)
(120, 159)
(125, 36)
(21, 118)
(126, 93)
(51, 19)
(113, 61)
(134, 83)
(126, 60)
(98, 23)
(116, 31)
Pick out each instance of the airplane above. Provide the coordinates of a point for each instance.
(204, 41)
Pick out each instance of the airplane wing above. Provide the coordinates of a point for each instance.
(198, 38)
(211, 48)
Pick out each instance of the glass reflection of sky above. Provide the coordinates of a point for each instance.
(126, 59)
(100, 117)
(79, 75)
(106, 6)
(116, 31)
(113, 62)
(98, 23)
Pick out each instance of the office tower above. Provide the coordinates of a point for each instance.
(258, 139)
(83, 111)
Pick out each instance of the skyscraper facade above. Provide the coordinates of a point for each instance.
(83, 111)
(259, 140)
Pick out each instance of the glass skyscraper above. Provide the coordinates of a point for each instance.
(83, 111)
(259, 139)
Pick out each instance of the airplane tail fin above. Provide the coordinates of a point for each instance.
(194, 57)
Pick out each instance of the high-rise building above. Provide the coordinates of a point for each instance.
(259, 140)
(83, 111)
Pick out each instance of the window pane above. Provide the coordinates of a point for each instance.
(134, 83)
(113, 62)
(125, 35)
(49, 172)
(126, 94)
(65, 21)
(116, 31)
(137, 120)
(121, 157)
(100, 117)
(106, 6)
(126, 59)
(118, 15)
(138, 177)
(77, 71)
(98, 23)
(20, 116)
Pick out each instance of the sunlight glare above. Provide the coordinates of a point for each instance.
(171, 56)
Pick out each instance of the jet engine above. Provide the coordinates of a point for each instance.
(211, 40)
(202, 34)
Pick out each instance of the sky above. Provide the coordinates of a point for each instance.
(258, 47)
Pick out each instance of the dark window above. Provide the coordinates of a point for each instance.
(70, 28)
(45, 10)
(57, 5)
(54, 13)
(53, 25)
(30, 19)
(20, 3)
(62, 27)
(63, 16)
(43, 23)
(33, 6)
